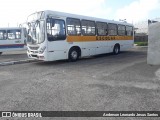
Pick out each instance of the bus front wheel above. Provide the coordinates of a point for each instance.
(73, 55)
(116, 49)
(0, 53)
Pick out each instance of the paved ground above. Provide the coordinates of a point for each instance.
(103, 83)
(13, 56)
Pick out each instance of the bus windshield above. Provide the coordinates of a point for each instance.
(36, 32)
(35, 16)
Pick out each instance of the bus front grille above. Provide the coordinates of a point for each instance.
(34, 48)
(34, 56)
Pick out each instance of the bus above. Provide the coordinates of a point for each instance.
(57, 35)
(12, 38)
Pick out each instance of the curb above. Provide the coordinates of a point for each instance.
(140, 46)
(16, 62)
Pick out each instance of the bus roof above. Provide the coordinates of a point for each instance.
(11, 28)
(63, 14)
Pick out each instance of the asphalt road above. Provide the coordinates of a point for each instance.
(13, 56)
(121, 82)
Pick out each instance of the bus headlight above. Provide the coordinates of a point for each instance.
(42, 49)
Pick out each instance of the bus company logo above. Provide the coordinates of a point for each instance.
(6, 114)
(105, 38)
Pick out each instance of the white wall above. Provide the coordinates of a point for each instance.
(154, 44)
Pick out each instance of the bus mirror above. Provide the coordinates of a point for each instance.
(29, 24)
(20, 25)
(37, 21)
(28, 31)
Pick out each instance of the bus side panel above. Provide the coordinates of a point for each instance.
(127, 45)
(56, 50)
(124, 44)
(89, 48)
(95, 48)
(102, 47)
(11, 44)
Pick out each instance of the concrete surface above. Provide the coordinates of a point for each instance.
(154, 44)
(121, 82)
(13, 56)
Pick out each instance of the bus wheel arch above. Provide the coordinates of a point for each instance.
(0, 53)
(74, 53)
(116, 49)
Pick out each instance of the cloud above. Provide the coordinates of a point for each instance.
(94, 8)
(16, 11)
(138, 10)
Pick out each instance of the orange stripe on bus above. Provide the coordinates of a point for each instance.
(97, 38)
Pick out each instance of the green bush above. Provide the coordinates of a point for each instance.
(141, 43)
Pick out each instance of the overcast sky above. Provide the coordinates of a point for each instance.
(14, 12)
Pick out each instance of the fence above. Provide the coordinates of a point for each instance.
(143, 38)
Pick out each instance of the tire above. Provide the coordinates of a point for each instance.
(116, 49)
(0, 53)
(73, 55)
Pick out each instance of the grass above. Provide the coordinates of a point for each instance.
(141, 43)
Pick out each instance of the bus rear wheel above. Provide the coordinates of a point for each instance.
(0, 53)
(116, 49)
(73, 55)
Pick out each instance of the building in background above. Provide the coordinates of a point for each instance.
(141, 31)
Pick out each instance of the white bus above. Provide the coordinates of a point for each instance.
(12, 38)
(57, 35)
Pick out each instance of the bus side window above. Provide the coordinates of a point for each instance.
(112, 29)
(101, 28)
(14, 34)
(89, 27)
(129, 31)
(83, 31)
(73, 26)
(3, 35)
(121, 30)
(10, 35)
(55, 29)
(18, 34)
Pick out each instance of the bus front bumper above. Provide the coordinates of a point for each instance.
(36, 55)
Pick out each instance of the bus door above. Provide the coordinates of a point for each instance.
(56, 35)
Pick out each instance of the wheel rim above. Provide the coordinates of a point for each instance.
(116, 50)
(74, 55)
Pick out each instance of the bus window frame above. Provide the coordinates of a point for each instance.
(54, 38)
(97, 28)
(131, 31)
(4, 35)
(86, 30)
(112, 29)
(15, 30)
(121, 30)
(75, 27)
